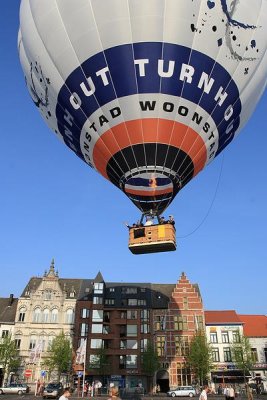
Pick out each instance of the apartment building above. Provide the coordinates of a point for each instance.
(118, 319)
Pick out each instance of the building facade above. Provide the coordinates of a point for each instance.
(8, 307)
(119, 319)
(223, 328)
(255, 328)
(45, 309)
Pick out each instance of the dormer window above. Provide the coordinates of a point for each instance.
(72, 294)
(98, 288)
(47, 294)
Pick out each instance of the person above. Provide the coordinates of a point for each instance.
(162, 220)
(66, 394)
(85, 389)
(226, 393)
(171, 220)
(220, 390)
(149, 220)
(231, 393)
(203, 394)
(113, 393)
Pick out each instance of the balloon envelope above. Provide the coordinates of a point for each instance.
(145, 92)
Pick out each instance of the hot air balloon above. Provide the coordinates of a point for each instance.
(146, 92)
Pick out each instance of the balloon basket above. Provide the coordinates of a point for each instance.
(152, 239)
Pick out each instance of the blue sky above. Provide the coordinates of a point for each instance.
(53, 205)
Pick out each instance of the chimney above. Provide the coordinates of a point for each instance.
(11, 299)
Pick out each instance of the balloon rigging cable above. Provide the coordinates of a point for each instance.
(211, 204)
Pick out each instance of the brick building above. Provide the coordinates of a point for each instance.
(118, 320)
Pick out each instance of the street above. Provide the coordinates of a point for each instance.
(163, 396)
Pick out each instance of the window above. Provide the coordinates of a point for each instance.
(97, 316)
(215, 354)
(5, 333)
(22, 312)
(122, 364)
(110, 302)
(112, 290)
(54, 316)
(141, 302)
(69, 317)
(85, 313)
(132, 302)
(145, 315)
(131, 314)
(97, 300)
(106, 316)
(213, 337)
(131, 361)
(50, 340)
(72, 293)
(227, 354)
(96, 343)
(131, 330)
(185, 303)
(254, 354)
(97, 328)
(145, 328)
(236, 337)
(225, 337)
(123, 314)
(123, 344)
(106, 329)
(182, 345)
(160, 322)
(37, 315)
(161, 345)
(17, 343)
(130, 344)
(47, 295)
(94, 361)
(32, 342)
(265, 354)
(143, 344)
(129, 290)
(98, 288)
(199, 322)
(84, 329)
(180, 323)
(46, 315)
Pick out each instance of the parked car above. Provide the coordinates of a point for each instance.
(53, 390)
(182, 391)
(15, 388)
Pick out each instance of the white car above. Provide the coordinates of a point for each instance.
(15, 388)
(182, 391)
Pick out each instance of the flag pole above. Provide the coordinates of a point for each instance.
(84, 362)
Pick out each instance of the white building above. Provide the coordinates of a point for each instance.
(8, 308)
(255, 328)
(222, 329)
(45, 309)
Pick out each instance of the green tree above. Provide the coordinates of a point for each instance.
(200, 357)
(100, 362)
(150, 363)
(9, 355)
(59, 355)
(242, 356)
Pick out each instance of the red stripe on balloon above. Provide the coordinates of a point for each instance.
(150, 130)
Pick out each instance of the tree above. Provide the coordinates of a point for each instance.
(150, 363)
(59, 355)
(200, 357)
(99, 362)
(242, 356)
(9, 355)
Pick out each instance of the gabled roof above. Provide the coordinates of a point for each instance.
(222, 317)
(254, 325)
(66, 285)
(8, 308)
